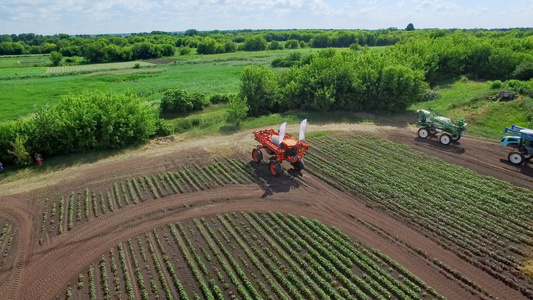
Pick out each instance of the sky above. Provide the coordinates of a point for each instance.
(48, 17)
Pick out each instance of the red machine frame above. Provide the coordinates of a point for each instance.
(264, 137)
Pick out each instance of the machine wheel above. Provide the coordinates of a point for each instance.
(432, 131)
(299, 165)
(516, 158)
(423, 133)
(527, 156)
(275, 168)
(445, 139)
(455, 138)
(257, 155)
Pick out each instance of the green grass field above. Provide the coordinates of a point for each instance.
(26, 89)
(476, 103)
(11, 61)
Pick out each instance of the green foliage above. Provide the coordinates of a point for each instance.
(56, 58)
(496, 84)
(19, 152)
(259, 85)
(410, 27)
(255, 43)
(184, 50)
(221, 98)
(275, 45)
(351, 82)
(84, 122)
(292, 59)
(292, 44)
(180, 101)
(163, 128)
(237, 110)
(524, 71)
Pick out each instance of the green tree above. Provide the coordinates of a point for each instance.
(56, 58)
(259, 85)
(94, 51)
(255, 43)
(410, 27)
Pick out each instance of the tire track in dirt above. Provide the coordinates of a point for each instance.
(22, 219)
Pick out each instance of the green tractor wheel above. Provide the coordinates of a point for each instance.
(445, 139)
(423, 133)
(456, 137)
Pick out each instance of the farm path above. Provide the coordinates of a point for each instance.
(482, 155)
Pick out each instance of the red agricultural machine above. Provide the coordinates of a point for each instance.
(281, 146)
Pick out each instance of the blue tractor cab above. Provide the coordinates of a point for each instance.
(521, 141)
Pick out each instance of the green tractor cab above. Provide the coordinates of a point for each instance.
(431, 123)
(521, 141)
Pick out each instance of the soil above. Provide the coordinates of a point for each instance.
(41, 271)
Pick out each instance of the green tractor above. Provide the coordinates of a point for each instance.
(432, 124)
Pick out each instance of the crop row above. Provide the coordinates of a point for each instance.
(246, 256)
(63, 214)
(95, 67)
(482, 219)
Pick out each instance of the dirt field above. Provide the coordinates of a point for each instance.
(36, 268)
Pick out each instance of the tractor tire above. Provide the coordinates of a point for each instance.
(299, 165)
(516, 158)
(455, 138)
(257, 155)
(423, 133)
(275, 168)
(432, 131)
(527, 156)
(445, 139)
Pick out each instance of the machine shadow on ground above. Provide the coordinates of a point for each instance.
(453, 147)
(274, 184)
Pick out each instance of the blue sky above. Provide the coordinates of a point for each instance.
(126, 16)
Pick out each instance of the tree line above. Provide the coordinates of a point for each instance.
(389, 79)
(159, 44)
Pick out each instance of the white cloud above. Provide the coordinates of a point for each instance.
(123, 16)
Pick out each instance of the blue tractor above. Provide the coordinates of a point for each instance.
(521, 141)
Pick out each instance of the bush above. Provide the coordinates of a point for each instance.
(275, 45)
(56, 58)
(430, 95)
(163, 128)
(80, 123)
(19, 152)
(496, 84)
(176, 100)
(255, 43)
(221, 98)
(237, 110)
(183, 125)
(292, 44)
(184, 50)
(523, 71)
